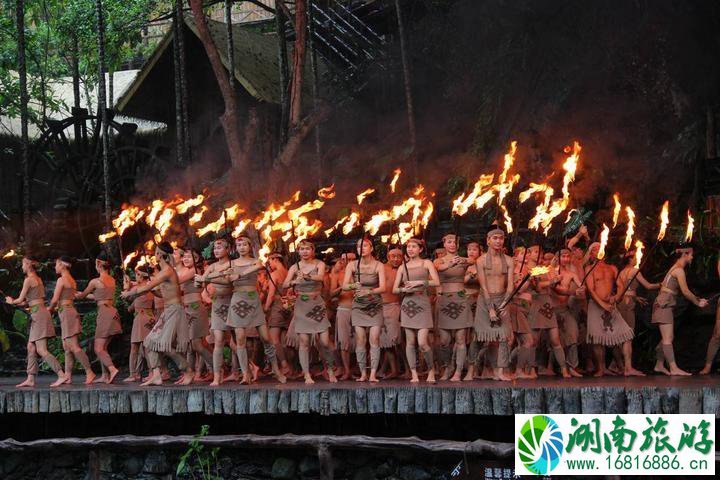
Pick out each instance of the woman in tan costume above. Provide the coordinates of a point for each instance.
(246, 310)
(310, 315)
(143, 321)
(107, 324)
(714, 343)
(414, 279)
(41, 325)
(343, 300)
(366, 278)
(70, 325)
(453, 309)
(672, 285)
(278, 317)
(215, 274)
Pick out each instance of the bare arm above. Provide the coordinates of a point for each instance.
(186, 275)
(88, 290)
(289, 279)
(679, 274)
(398, 279)
(347, 283)
(23, 293)
(434, 278)
(649, 286)
(56, 294)
(270, 295)
(320, 273)
(150, 286)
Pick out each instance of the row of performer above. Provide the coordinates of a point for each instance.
(451, 318)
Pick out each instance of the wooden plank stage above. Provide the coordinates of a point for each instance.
(652, 394)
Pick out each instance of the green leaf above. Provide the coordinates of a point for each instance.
(4, 340)
(20, 321)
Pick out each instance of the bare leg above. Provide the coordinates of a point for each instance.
(81, 357)
(32, 367)
(666, 331)
(460, 354)
(133, 362)
(374, 352)
(361, 352)
(426, 349)
(218, 360)
(328, 355)
(627, 359)
(304, 351)
(49, 358)
(559, 352)
(271, 353)
(102, 353)
(599, 354)
(445, 353)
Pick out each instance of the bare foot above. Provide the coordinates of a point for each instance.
(600, 372)
(391, 375)
(679, 372)
(153, 381)
(456, 377)
(414, 377)
(89, 377)
(331, 377)
(179, 380)
(661, 369)
(546, 372)
(131, 378)
(362, 377)
(165, 375)
(566, 373)
(406, 375)
(29, 383)
(280, 377)
(246, 379)
(113, 373)
(255, 372)
(705, 370)
(103, 379)
(60, 380)
(430, 377)
(309, 380)
(215, 383)
(575, 373)
(187, 378)
(632, 372)
(68, 379)
(233, 377)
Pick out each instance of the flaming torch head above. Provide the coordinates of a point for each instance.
(541, 270)
(616, 210)
(9, 254)
(638, 253)
(630, 227)
(394, 180)
(664, 219)
(690, 228)
(604, 235)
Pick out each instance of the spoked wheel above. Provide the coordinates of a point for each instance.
(67, 179)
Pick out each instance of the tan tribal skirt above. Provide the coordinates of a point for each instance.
(487, 330)
(542, 313)
(245, 310)
(343, 329)
(219, 312)
(197, 317)
(367, 311)
(606, 328)
(390, 333)
(108, 321)
(41, 324)
(170, 332)
(627, 309)
(519, 310)
(70, 324)
(662, 311)
(416, 311)
(142, 324)
(453, 311)
(567, 324)
(278, 316)
(310, 315)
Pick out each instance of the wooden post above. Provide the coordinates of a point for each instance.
(230, 44)
(315, 92)
(187, 144)
(327, 469)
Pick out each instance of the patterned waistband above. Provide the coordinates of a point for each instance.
(35, 303)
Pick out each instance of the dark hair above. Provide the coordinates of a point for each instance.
(165, 247)
(145, 269)
(67, 259)
(104, 259)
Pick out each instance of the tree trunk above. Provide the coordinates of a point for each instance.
(316, 93)
(408, 90)
(230, 117)
(287, 155)
(110, 89)
(229, 39)
(298, 63)
(76, 72)
(187, 144)
(179, 132)
(24, 143)
(284, 75)
(102, 109)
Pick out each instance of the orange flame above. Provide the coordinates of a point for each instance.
(638, 253)
(362, 195)
(394, 180)
(534, 188)
(462, 203)
(603, 242)
(690, 227)
(233, 211)
(9, 254)
(197, 216)
(351, 223)
(327, 192)
(541, 270)
(330, 230)
(106, 236)
(212, 226)
(664, 219)
(630, 227)
(508, 220)
(157, 206)
(183, 207)
(128, 258)
(616, 210)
